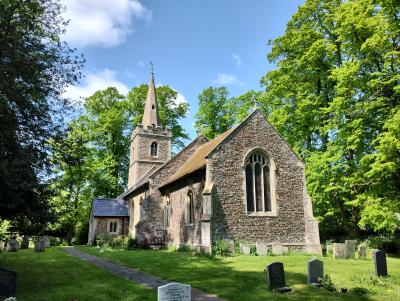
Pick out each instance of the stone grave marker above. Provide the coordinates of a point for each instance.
(25, 242)
(350, 249)
(275, 277)
(245, 249)
(174, 292)
(380, 262)
(2, 246)
(8, 283)
(12, 245)
(339, 250)
(277, 248)
(329, 249)
(46, 240)
(39, 245)
(315, 271)
(362, 252)
(262, 249)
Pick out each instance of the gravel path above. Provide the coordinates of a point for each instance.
(135, 275)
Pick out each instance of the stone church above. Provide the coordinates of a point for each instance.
(246, 185)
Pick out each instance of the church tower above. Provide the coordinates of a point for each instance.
(150, 143)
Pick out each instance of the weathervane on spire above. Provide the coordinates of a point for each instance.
(151, 64)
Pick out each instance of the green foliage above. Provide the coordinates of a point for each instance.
(253, 250)
(183, 249)
(327, 283)
(221, 248)
(388, 243)
(335, 97)
(120, 242)
(359, 291)
(35, 68)
(236, 246)
(4, 229)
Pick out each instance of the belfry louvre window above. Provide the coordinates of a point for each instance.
(258, 185)
(153, 149)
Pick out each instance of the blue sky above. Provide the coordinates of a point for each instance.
(193, 44)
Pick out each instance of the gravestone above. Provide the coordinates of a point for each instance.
(245, 249)
(277, 248)
(339, 250)
(8, 283)
(350, 249)
(285, 250)
(46, 240)
(362, 252)
(39, 245)
(262, 249)
(174, 292)
(275, 277)
(25, 242)
(329, 250)
(380, 262)
(12, 245)
(315, 270)
(2, 246)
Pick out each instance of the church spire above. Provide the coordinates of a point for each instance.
(150, 115)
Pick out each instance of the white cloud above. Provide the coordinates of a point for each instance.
(94, 82)
(237, 59)
(102, 22)
(227, 79)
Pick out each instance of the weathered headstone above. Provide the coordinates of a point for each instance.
(12, 245)
(329, 249)
(339, 250)
(350, 249)
(262, 249)
(39, 245)
(277, 248)
(285, 250)
(275, 277)
(8, 283)
(25, 242)
(46, 240)
(245, 249)
(174, 292)
(362, 252)
(315, 270)
(380, 262)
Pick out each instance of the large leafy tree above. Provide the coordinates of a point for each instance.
(35, 66)
(334, 96)
(215, 112)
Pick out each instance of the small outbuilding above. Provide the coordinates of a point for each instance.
(108, 216)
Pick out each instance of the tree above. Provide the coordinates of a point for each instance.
(35, 67)
(215, 112)
(335, 86)
(170, 111)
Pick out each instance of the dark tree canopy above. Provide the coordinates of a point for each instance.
(35, 67)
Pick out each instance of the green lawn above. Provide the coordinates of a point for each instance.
(241, 278)
(57, 276)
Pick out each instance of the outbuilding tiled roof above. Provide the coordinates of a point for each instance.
(110, 207)
(198, 159)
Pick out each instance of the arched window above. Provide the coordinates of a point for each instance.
(167, 212)
(153, 149)
(258, 184)
(190, 208)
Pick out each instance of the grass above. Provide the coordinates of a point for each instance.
(241, 278)
(57, 276)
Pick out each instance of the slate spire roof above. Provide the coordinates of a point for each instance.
(150, 116)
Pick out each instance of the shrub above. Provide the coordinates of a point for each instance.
(82, 232)
(327, 283)
(359, 291)
(236, 246)
(184, 249)
(253, 250)
(132, 243)
(221, 248)
(389, 244)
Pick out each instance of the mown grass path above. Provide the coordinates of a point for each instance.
(242, 278)
(134, 275)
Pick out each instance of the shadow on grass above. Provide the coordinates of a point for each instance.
(229, 280)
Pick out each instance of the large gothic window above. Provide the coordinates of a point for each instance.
(153, 149)
(258, 184)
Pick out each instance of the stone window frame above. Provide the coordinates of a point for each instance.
(190, 208)
(272, 180)
(109, 222)
(154, 149)
(167, 211)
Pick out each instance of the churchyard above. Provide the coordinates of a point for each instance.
(53, 274)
